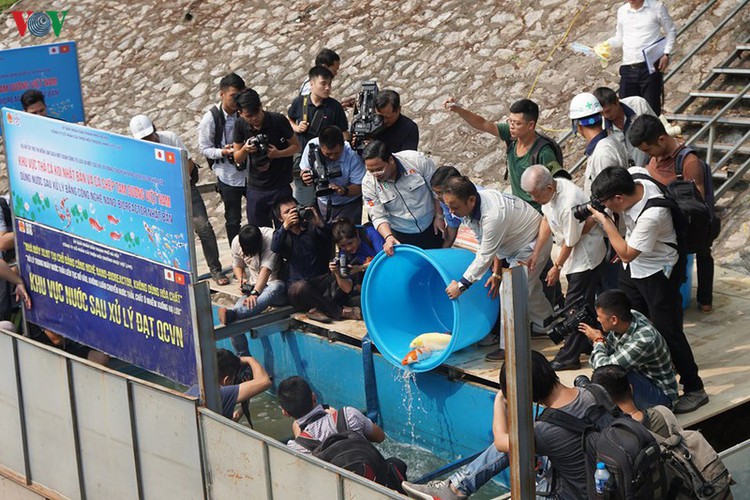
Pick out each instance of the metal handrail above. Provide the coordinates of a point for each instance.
(705, 40)
(679, 65)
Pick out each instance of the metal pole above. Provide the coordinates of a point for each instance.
(718, 115)
(703, 42)
(205, 346)
(515, 324)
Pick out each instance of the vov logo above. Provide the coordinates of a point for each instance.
(39, 23)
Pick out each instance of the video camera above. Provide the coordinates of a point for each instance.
(566, 321)
(581, 212)
(258, 159)
(321, 171)
(367, 123)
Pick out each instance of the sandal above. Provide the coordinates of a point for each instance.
(220, 279)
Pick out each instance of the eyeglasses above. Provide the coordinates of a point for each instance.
(515, 123)
(378, 173)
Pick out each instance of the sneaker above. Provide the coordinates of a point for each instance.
(496, 355)
(558, 366)
(351, 313)
(490, 340)
(690, 401)
(434, 490)
(220, 279)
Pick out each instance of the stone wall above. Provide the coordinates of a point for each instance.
(150, 57)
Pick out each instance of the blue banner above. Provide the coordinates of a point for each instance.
(123, 193)
(109, 300)
(51, 69)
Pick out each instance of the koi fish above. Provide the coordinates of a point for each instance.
(166, 245)
(175, 263)
(95, 224)
(433, 341)
(62, 202)
(115, 236)
(113, 219)
(180, 245)
(416, 355)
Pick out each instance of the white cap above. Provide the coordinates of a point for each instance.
(583, 105)
(141, 126)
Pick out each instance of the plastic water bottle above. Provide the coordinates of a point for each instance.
(601, 478)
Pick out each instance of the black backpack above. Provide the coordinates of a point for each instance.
(219, 122)
(544, 140)
(351, 451)
(708, 186)
(626, 447)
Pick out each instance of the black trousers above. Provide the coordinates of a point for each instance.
(704, 263)
(658, 297)
(636, 80)
(260, 205)
(321, 292)
(232, 198)
(583, 284)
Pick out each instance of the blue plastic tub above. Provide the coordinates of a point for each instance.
(404, 296)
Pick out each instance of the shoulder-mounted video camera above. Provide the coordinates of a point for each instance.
(367, 123)
(322, 172)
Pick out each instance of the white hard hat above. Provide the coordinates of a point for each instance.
(583, 105)
(141, 126)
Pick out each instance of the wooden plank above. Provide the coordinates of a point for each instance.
(719, 341)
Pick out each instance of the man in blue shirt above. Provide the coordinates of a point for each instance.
(337, 158)
(304, 240)
(233, 388)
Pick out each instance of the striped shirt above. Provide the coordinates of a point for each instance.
(320, 428)
(641, 348)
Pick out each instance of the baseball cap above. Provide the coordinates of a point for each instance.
(141, 126)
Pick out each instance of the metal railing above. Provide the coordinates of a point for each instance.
(73, 429)
(682, 61)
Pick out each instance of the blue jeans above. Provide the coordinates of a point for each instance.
(645, 393)
(470, 478)
(274, 294)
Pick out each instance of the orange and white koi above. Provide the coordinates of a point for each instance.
(416, 355)
(115, 236)
(113, 219)
(95, 224)
(432, 340)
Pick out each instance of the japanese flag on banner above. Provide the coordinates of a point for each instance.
(159, 154)
(54, 50)
(170, 157)
(179, 278)
(169, 274)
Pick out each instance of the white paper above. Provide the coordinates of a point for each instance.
(653, 53)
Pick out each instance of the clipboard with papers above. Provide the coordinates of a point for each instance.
(653, 53)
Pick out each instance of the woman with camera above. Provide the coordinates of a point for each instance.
(358, 245)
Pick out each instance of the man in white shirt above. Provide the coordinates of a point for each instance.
(619, 115)
(639, 25)
(602, 151)
(143, 128)
(651, 277)
(215, 141)
(506, 227)
(582, 250)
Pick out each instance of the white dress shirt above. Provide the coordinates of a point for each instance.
(637, 29)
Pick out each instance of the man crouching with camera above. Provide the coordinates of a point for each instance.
(304, 240)
(336, 170)
(581, 254)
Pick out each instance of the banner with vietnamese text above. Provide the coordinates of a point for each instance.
(51, 69)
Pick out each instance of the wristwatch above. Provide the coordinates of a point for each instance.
(462, 287)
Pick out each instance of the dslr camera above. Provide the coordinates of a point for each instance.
(343, 264)
(581, 212)
(305, 213)
(258, 159)
(367, 123)
(566, 320)
(321, 171)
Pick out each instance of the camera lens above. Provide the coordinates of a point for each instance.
(581, 212)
